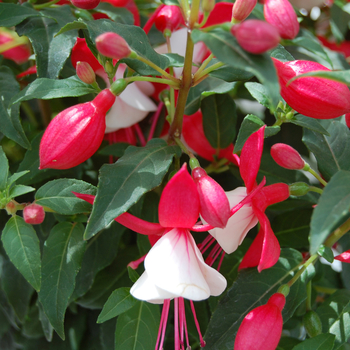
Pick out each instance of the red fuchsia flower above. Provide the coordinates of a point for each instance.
(194, 137)
(169, 17)
(256, 36)
(242, 9)
(33, 214)
(280, 13)
(287, 157)
(85, 4)
(76, 133)
(343, 47)
(261, 329)
(19, 53)
(343, 257)
(313, 97)
(112, 45)
(265, 250)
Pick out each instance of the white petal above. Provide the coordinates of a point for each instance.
(238, 225)
(173, 265)
(145, 289)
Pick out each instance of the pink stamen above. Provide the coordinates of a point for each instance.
(162, 324)
(140, 134)
(197, 325)
(221, 260)
(176, 324)
(155, 120)
(204, 249)
(129, 135)
(135, 264)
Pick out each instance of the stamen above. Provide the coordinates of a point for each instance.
(183, 324)
(197, 325)
(211, 241)
(162, 324)
(221, 260)
(154, 121)
(139, 134)
(176, 324)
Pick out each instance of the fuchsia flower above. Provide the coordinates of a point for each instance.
(112, 45)
(343, 257)
(169, 17)
(33, 214)
(261, 329)
(19, 53)
(85, 4)
(242, 9)
(314, 97)
(287, 157)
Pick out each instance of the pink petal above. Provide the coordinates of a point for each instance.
(344, 257)
(179, 202)
(221, 13)
(271, 194)
(250, 158)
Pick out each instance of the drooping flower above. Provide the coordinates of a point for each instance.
(112, 45)
(169, 17)
(261, 329)
(314, 97)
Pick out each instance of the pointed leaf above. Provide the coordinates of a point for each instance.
(242, 298)
(117, 14)
(137, 328)
(137, 172)
(12, 14)
(225, 47)
(58, 196)
(15, 177)
(62, 256)
(309, 123)
(259, 92)
(219, 120)
(19, 190)
(22, 247)
(331, 210)
(46, 89)
(120, 301)
(4, 169)
(320, 342)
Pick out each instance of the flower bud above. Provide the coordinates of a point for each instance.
(261, 329)
(313, 97)
(18, 54)
(299, 189)
(242, 9)
(169, 17)
(76, 133)
(214, 205)
(312, 324)
(280, 13)
(112, 45)
(85, 72)
(256, 36)
(11, 208)
(85, 4)
(287, 157)
(33, 214)
(208, 5)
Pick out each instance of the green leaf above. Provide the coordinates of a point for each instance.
(228, 73)
(309, 123)
(4, 170)
(281, 54)
(19, 190)
(22, 247)
(320, 342)
(326, 253)
(120, 301)
(116, 150)
(51, 52)
(18, 291)
(250, 290)
(219, 120)
(332, 152)
(175, 60)
(340, 76)
(13, 178)
(12, 14)
(117, 14)
(76, 25)
(250, 124)
(57, 195)
(334, 314)
(259, 92)
(62, 256)
(136, 39)
(137, 172)
(133, 275)
(137, 328)
(9, 117)
(225, 48)
(205, 88)
(331, 210)
(46, 89)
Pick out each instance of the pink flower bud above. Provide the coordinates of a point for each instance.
(280, 13)
(256, 36)
(242, 9)
(85, 4)
(313, 97)
(169, 17)
(287, 157)
(112, 45)
(76, 133)
(18, 54)
(85, 72)
(261, 329)
(214, 205)
(34, 214)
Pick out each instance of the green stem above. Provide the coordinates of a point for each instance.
(172, 91)
(318, 177)
(194, 13)
(278, 122)
(337, 234)
(183, 147)
(200, 77)
(30, 114)
(308, 296)
(316, 189)
(47, 4)
(153, 80)
(300, 272)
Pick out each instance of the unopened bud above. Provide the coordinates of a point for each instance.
(312, 324)
(287, 157)
(85, 72)
(118, 87)
(112, 45)
(284, 289)
(11, 208)
(169, 17)
(33, 214)
(242, 9)
(85, 4)
(208, 5)
(214, 204)
(299, 189)
(256, 36)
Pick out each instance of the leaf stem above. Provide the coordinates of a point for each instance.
(318, 177)
(47, 4)
(153, 80)
(311, 260)
(337, 234)
(316, 189)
